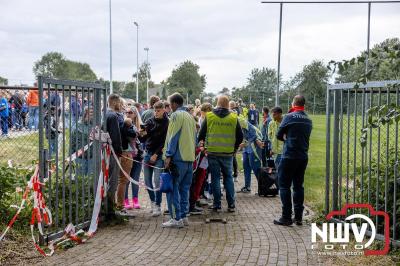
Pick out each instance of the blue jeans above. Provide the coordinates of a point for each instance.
(33, 117)
(151, 174)
(178, 199)
(135, 174)
(52, 146)
(4, 125)
(218, 164)
(278, 160)
(250, 162)
(291, 171)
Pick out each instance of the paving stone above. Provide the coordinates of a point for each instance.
(249, 238)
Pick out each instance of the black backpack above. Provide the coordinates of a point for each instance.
(267, 182)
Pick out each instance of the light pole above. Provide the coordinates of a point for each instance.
(147, 73)
(137, 61)
(111, 84)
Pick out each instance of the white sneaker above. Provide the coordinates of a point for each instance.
(173, 224)
(124, 213)
(156, 211)
(185, 221)
(152, 207)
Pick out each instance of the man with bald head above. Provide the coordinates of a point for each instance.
(221, 135)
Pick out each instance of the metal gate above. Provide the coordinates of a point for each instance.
(367, 173)
(69, 159)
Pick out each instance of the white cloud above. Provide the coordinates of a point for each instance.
(226, 38)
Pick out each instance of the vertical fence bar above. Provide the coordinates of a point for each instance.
(371, 100)
(63, 158)
(69, 156)
(42, 157)
(84, 161)
(379, 157)
(340, 148)
(348, 147)
(335, 154)
(77, 168)
(396, 168)
(89, 153)
(328, 150)
(56, 162)
(355, 147)
(387, 152)
(362, 148)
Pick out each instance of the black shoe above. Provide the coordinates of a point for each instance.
(298, 221)
(196, 210)
(215, 208)
(282, 221)
(231, 208)
(244, 190)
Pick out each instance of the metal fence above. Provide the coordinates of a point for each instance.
(49, 125)
(358, 173)
(19, 118)
(68, 113)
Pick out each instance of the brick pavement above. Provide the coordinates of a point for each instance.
(249, 238)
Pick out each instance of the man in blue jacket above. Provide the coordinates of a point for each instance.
(4, 113)
(295, 131)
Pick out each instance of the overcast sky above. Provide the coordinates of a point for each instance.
(226, 38)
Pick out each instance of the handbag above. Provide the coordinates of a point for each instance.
(166, 185)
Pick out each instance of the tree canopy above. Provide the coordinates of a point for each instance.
(186, 80)
(55, 65)
(3, 81)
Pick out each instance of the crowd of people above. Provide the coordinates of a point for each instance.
(197, 144)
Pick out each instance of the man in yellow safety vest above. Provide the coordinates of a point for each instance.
(221, 135)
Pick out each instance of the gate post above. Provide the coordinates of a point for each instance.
(335, 153)
(328, 150)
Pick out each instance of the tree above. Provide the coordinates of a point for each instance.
(186, 80)
(55, 65)
(381, 66)
(225, 91)
(3, 81)
(311, 83)
(144, 73)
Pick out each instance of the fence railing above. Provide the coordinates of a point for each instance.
(357, 173)
(68, 112)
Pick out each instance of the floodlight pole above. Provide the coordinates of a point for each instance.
(137, 61)
(279, 56)
(147, 73)
(368, 36)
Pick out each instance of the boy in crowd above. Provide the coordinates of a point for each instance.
(154, 133)
(149, 113)
(265, 139)
(253, 115)
(277, 145)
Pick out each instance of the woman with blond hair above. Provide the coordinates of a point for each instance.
(137, 156)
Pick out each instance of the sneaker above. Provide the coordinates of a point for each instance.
(172, 223)
(298, 221)
(231, 208)
(185, 221)
(122, 212)
(196, 210)
(215, 208)
(166, 212)
(202, 202)
(284, 222)
(135, 203)
(152, 207)
(156, 211)
(127, 205)
(244, 190)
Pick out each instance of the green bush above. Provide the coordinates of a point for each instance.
(12, 178)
